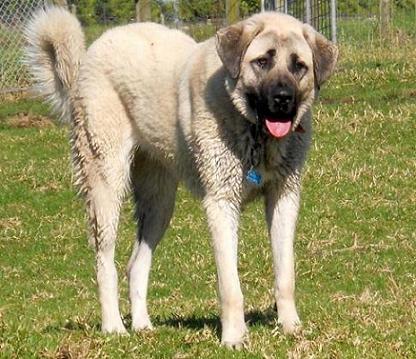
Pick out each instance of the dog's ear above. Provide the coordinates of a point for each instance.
(232, 43)
(325, 54)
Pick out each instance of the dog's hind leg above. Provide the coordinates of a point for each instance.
(154, 194)
(104, 205)
(102, 154)
(104, 200)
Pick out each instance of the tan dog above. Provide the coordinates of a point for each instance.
(149, 108)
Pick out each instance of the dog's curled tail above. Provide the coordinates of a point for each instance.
(55, 47)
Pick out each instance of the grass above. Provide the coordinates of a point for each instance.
(355, 246)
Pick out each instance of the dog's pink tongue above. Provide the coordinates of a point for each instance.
(279, 128)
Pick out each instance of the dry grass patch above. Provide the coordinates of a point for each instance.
(28, 120)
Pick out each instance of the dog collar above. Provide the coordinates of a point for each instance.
(253, 176)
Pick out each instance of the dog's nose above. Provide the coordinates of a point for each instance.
(283, 97)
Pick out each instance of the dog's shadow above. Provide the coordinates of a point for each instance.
(253, 318)
(195, 322)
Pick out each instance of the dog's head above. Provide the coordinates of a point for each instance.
(275, 66)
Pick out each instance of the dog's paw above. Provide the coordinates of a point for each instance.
(288, 316)
(237, 345)
(142, 324)
(290, 323)
(235, 338)
(114, 328)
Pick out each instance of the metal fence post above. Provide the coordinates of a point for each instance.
(282, 6)
(308, 12)
(268, 5)
(334, 21)
(177, 13)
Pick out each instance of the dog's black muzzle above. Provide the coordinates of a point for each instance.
(282, 100)
(277, 104)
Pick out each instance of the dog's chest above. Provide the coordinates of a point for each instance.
(266, 162)
(270, 159)
(225, 157)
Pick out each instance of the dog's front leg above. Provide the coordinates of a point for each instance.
(281, 214)
(223, 219)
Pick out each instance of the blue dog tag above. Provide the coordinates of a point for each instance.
(254, 177)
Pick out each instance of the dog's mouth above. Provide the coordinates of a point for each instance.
(279, 124)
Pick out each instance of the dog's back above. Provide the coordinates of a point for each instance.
(134, 70)
(130, 72)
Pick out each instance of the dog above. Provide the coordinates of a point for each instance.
(149, 108)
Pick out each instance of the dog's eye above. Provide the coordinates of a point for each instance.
(262, 62)
(300, 67)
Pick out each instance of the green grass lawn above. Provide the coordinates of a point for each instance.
(356, 241)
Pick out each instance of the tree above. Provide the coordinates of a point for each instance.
(87, 11)
(248, 7)
(122, 10)
(232, 8)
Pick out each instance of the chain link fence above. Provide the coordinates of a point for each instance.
(373, 22)
(351, 21)
(198, 18)
(13, 16)
(321, 14)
